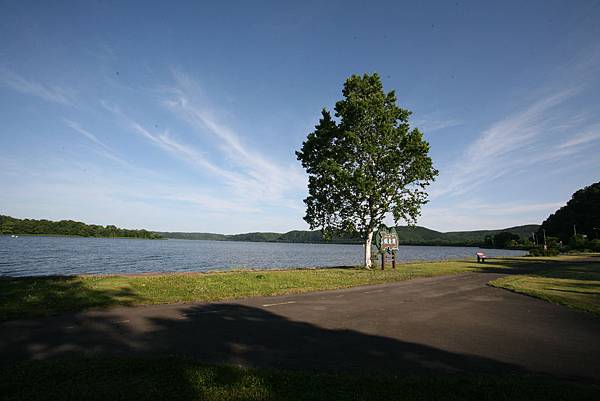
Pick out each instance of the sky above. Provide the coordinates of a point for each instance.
(185, 116)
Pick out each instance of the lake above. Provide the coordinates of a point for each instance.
(33, 256)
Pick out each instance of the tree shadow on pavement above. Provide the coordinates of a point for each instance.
(231, 334)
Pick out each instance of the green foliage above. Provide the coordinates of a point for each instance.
(11, 225)
(553, 242)
(581, 211)
(507, 239)
(366, 165)
(503, 239)
(540, 251)
(578, 242)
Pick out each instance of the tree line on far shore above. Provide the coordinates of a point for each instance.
(513, 237)
(10, 225)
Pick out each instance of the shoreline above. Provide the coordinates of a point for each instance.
(450, 245)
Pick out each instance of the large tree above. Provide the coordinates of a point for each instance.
(365, 165)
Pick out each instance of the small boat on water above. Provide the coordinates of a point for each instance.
(14, 236)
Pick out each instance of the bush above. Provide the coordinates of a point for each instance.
(543, 252)
(595, 245)
(579, 242)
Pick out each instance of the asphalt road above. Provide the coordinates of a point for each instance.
(450, 324)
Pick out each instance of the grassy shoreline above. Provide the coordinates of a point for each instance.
(576, 285)
(25, 297)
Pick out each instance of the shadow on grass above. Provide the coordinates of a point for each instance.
(42, 296)
(566, 269)
(572, 283)
(234, 334)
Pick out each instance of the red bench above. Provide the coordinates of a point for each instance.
(481, 257)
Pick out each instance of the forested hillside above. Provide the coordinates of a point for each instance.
(11, 225)
(407, 236)
(581, 215)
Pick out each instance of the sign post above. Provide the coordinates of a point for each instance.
(386, 241)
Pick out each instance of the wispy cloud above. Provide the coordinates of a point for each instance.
(184, 152)
(271, 178)
(77, 127)
(533, 136)
(101, 149)
(592, 134)
(511, 141)
(16, 82)
(431, 123)
(123, 197)
(477, 215)
(263, 177)
(240, 183)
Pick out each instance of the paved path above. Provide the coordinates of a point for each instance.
(451, 323)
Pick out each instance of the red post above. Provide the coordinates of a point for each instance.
(394, 260)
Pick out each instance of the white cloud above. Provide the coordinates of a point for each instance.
(26, 86)
(476, 215)
(430, 123)
(77, 127)
(102, 149)
(261, 184)
(270, 178)
(122, 197)
(510, 142)
(590, 135)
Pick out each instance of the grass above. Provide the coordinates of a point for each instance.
(183, 379)
(576, 285)
(43, 296)
(568, 280)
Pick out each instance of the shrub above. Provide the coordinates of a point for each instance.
(543, 252)
(578, 242)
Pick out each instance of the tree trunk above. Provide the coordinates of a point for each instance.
(368, 243)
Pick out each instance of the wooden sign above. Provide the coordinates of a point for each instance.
(389, 242)
(386, 241)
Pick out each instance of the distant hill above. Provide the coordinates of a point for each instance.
(11, 225)
(522, 231)
(407, 235)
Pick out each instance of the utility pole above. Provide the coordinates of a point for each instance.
(574, 230)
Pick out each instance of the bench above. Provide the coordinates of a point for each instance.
(481, 257)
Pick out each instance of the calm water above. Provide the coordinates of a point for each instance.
(29, 256)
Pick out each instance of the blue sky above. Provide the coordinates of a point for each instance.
(185, 116)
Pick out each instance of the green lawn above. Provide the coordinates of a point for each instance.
(41, 296)
(182, 379)
(576, 285)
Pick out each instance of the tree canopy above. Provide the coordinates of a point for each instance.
(365, 165)
(11, 225)
(581, 214)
